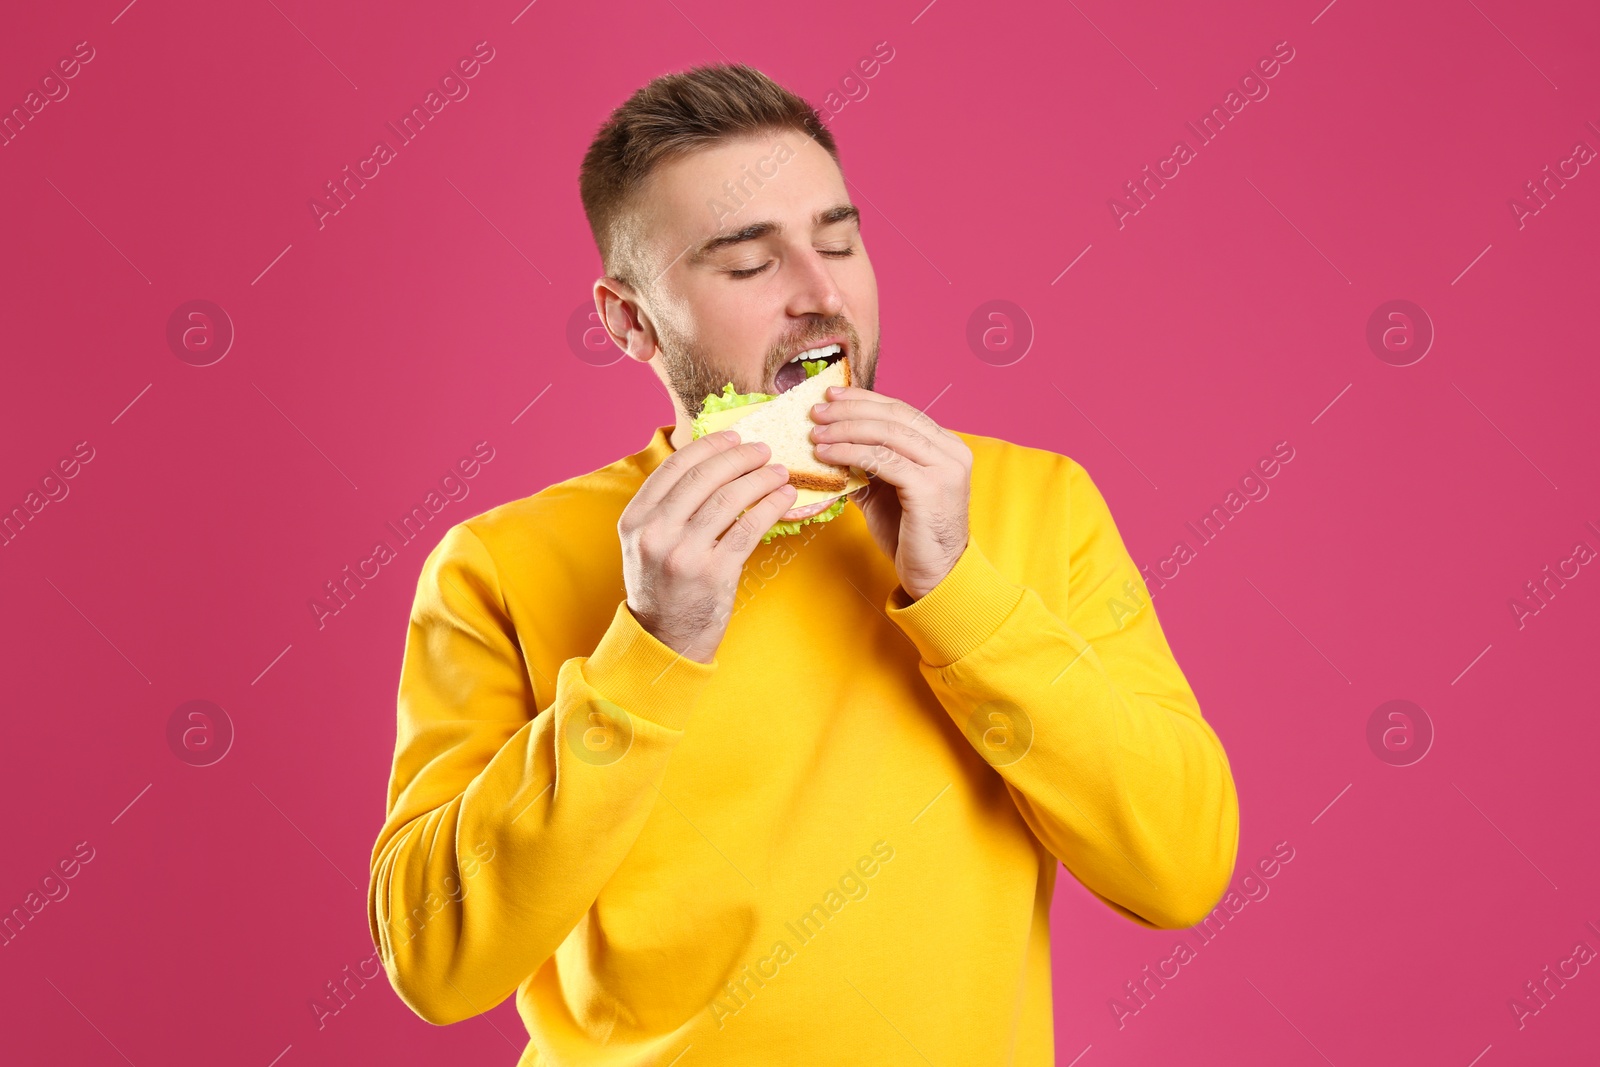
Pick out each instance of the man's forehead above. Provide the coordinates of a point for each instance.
(784, 178)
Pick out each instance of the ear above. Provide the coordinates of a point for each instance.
(622, 313)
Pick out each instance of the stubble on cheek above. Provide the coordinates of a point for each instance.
(692, 377)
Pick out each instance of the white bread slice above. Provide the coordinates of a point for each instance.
(784, 424)
(725, 420)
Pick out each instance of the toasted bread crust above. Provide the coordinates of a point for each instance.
(832, 481)
(815, 481)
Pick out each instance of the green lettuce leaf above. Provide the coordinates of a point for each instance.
(724, 401)
(793, 526)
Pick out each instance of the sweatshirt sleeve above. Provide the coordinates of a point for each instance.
(505, 820)
(1087, 718)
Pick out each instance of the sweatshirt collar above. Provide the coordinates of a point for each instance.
(656, 452)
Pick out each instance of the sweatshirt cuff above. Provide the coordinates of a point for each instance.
(960, 613)
(632, 668)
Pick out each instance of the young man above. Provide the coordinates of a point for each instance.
(701, 800)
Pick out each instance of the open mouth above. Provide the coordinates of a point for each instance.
(792, 373)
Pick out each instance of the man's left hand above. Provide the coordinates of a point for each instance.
(916, 506)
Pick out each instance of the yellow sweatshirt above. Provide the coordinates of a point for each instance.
(837, 843)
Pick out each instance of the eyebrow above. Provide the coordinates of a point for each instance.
(757, 230)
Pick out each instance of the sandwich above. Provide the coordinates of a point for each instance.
(783, 422)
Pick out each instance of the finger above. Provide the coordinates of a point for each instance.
(854, 401)
(896, 435)
(899, 413)
(724, 505)
(855, 392)
(862, 403)
(750, 527)
(664, 477)
(879, 460)
(696, 482)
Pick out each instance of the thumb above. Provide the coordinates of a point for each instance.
(878, 501)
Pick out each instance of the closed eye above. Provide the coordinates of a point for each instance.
(751, 272)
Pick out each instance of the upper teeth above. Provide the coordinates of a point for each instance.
(817, 353)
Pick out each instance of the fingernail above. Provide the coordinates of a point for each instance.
(730, 435)
(781, 469)
(820, 408)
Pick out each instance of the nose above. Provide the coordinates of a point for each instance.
(813, 290)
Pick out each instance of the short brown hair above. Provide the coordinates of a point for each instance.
(672, 116)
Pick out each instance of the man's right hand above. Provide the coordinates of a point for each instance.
(686, 536)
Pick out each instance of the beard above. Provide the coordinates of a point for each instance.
(692, 374)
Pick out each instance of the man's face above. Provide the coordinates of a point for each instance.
(751, 253)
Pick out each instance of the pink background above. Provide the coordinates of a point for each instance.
(1228, 315)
